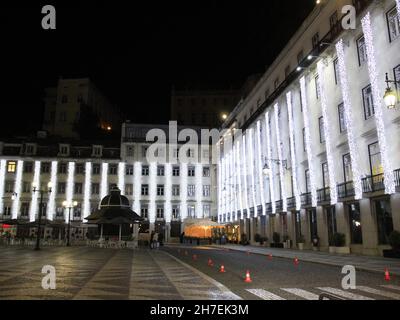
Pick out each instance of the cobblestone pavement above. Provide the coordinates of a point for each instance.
(91, 273)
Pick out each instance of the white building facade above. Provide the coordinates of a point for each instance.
(318, 152)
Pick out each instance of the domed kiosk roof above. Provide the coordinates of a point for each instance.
(114, 199)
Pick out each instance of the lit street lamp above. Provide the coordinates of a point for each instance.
(390, 96)
(41, 191)
(69, 205)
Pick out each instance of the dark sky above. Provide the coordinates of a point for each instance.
(135, 52)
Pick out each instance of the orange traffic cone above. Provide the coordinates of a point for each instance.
(387, 275)
(210, 263)
(296, 261)
(248, 279)
(222, 269)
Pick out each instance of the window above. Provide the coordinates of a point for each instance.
(368, 102)
(144, 212)
(175, 171)
(362, 51)
(62, 169)
(190, 153)
(129, 189)
(206, 191)
(9, 187)
(321, 130)
(145, 190)
(206, 210)
(393, 22)
(348, 173)
(78, 188)
(160, 212)
(191, 211)
(315, 40)
(45, 167)
(191, 172)
(396, 72)
(206, 172)
(60, 212)
(355, 223)
(79, 168)
(325, 175)
(342, 122)
(160, 190)
(384, 220)
(112, 169)
(30, 149)
(64, 99)
(64, 150)
(96, 169)
(317, 87)
(145, 171)
(308, 182)
(61, 188)
(24, 209)
(144, 151)
(191, 190)
(175, 213)
(11, 166)
(375, 159)
(130, 151)
(129, 170)
(160, 171)
(336, 69)
(28, 167)
(95, 188)
(97, 151)
(176, 190)
(26, 187)
(7, 211)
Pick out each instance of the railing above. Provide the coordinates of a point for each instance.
(397, 178)
(324, 195)
(346, 190)
(279, 205)
(268, 208)
(373, 183)
(5, 217)
(306, 199)
(291, 203)
(59, 218)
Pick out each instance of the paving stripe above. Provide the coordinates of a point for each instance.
(344, 294)
(391, 286)
(302, 293)
(382, 293)
(265, 295)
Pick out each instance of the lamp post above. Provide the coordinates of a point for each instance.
(390, 96)
(41, 191)
(69, 205)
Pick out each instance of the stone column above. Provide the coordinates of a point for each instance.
(395, 204)
(305, 228)
(369, 228)
(322, 225)
(342, 222)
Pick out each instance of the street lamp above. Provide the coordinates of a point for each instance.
(390, 96)
(69, 205)
(267, 170)
(41, 191)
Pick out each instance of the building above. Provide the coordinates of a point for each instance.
(318, 152)
(76, 107)
(202, 108)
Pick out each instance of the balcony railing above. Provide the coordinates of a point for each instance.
(397, 178)
(268, 208)
(324, 195)
(306, 199)
(346, 190)
(373, 183)
(5, 217)
(58, 218)
(291, 203)
(279, 205)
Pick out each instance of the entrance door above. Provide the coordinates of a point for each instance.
(355, 223)
(312, 215)
(331, 221)
(384, 220)
(298, 226)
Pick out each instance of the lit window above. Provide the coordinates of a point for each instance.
(368, 101)
(393, 24)
(11, 166)
(342, 122)
(321, 130)
(362, 51)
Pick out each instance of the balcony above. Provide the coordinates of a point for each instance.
(373, 184)
(279, 205)
(324, 195)
(306, 200)
(291, 203)
(346, 190)
(4, 217)
(397, 179)
(268, 208)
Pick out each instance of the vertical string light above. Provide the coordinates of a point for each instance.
(70, 187)
(252, 173)
(327, 129)
(152, 192)
(280, 158)
(52, 197)
(168, 192)
(3, 164)
(17, 190)
(235, 183)
(219, 190)
(269, 156)
(398, 7)
(390, 187)
(184, 190)
(137, 187)
(34, 202)
(230, 195)
(355, 163)
(307, 133)
(246, 191)
(104, 180)
(199, 190)
(121, 177)
(293, 151)
(260, 167)
(87, 192)
(239, 168)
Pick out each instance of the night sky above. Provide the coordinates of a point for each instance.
(135, 52)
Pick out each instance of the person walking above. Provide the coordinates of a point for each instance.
(152, 240)
(155, 240)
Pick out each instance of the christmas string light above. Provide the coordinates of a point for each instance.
(87, 192)
(3, 164)
(70, 187)
(137, 187)
(168, 192)
(121, 177)
(52, 197)
(260, 167)
(252, 173)
(17, 190)
(34, 201)
(238, 161)
(244, 161)
(269, 155)
(280, 158)
(104, 180)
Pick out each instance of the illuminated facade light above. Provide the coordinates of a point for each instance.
(137, 187)
(390, 187)
(121, 177)
(260, 167)
(104, 180)
(307, 133)
(152, 192)
(219, 190)
(398, 6)
(87, 190)
(3, 164)
(235, 183)
(354, 152)
(271, 177)
(184, 190)
(252, 172)
(244, 162)
(51, 205)
(328, 137)
(296, 192)
(239, 172)
(199, 190)
(17, 190)
(168, 193)
(70, 187)
(33, 211)
(280, 158)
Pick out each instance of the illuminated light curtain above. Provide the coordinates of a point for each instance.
(184, 190)
(152, 192)
(199, 190)
(235, 183)
(239, 168)
(121, 177)
(269, 156)
(354, 153)
(232, 181)
(137, 186)
(252, 173)
(70, 187)
(219, 190)
(33, 211)
(307, 133)
(17, 190)
(328, 137)
(87, 191)
(377, 93)
(104, 180)
(246, 193)
(260, 167)
(52, 196)
(398, 7)
(280, 158)
(168, 193)
(3, 164)
(293, 151)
